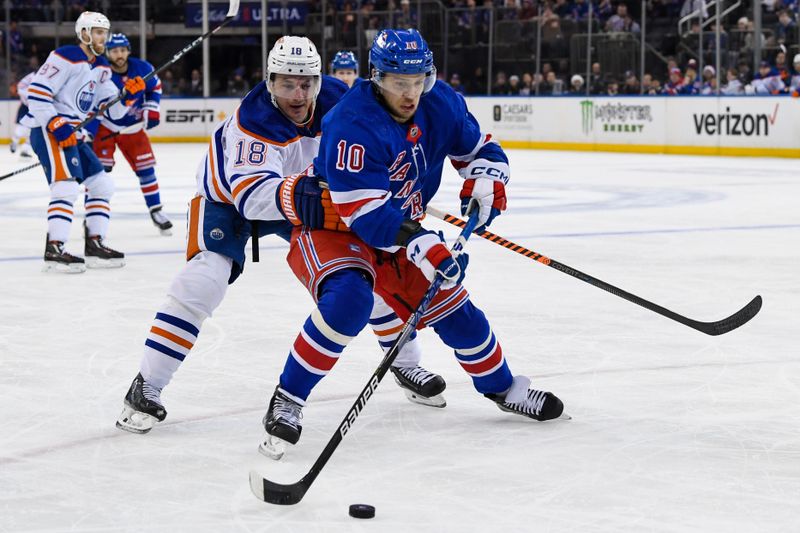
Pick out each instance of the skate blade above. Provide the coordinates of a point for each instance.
(273, 447)
(61, 268)
(165, 232)
(96, 262)
(437, 401)
(135, 421)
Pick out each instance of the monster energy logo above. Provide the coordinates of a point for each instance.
(619, 118)
(587, 116)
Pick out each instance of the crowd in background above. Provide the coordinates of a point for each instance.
(679, 73)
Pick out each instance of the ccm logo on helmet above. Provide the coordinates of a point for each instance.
(411, 61)
(492, 172)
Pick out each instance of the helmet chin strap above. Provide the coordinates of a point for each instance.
(90, 44)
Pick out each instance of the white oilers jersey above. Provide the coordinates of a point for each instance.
(71, 85)
(22, 87)
(254, 149)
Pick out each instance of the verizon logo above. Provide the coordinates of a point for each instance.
(735, 124)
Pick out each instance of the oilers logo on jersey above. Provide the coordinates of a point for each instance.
(85, 96)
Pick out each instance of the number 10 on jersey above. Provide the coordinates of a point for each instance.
(351, 158)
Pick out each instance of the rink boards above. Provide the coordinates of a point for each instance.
(741, 126)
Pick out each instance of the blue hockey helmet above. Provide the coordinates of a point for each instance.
(344, 59)
(402, 52)
(116, 40)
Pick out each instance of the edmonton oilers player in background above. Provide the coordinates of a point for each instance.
(74, 81)
(345, 67)
(253, 171)
(382, 153)
(128, 132)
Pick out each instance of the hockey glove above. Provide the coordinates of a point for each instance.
(133, 88)
(428, 251)
(303, 202)
(152, 118)
(485, 181)
(63, 131)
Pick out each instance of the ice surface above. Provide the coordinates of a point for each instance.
(672, 430)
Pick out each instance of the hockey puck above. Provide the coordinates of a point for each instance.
(361, 510)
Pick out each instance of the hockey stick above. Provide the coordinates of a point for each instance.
(279, 494)
(739, 318)
(233, 10)
(123, 131)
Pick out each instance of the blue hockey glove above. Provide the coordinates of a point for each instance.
(303, 202)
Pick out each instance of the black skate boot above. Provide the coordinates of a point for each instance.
(143, 407)
(57, 260)
(282, 423)
(161, 221)
(522, 400)
(421, 386)
(98, 255)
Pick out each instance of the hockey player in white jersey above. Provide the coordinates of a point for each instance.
(255, 171)
(21, 132)
(73, 82)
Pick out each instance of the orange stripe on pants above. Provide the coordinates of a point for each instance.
(192, 244)
(58, 167)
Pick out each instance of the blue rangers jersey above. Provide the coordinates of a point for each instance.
(381, 172)
(256, 147)
(150, 100)
(72, 85)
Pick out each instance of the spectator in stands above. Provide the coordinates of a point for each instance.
(528, 10)
(527, 88)
(745, 76)
(690, 83)
(455, 83)
(647, 83)
(597, 84)
(631, 85)
(655, 87)
(75, 8)
(167, 83)
(709, 85)
(545, 87)
(767, 80)
(782, 67)
(694, 6)
(612, 89)
(477, 83)
(500, 83)
(513, 85)
(622, 21)
(576, 85)
(734, 86)
(794, 84)
(195, 87)
(237, 85)
(16, 46)
(562, 8)
(675, 84)
(604, 10)
(555, 82)
(745, 27)
(580, 10)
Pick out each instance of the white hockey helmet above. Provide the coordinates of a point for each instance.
(88, 20)
(294, 56)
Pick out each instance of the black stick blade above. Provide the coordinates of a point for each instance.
(275, 493)
(739, 318)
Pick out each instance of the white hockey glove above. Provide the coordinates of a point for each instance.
(485, 182)
(428, 251)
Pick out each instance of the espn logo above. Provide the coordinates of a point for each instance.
(190, 115)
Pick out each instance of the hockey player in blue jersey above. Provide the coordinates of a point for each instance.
(255, 170)
(73, 82)
(128, 132)
(345, 67)
(382, 153)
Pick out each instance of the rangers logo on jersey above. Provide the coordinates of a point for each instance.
(85, 96)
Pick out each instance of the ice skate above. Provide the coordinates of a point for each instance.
(161, 221)
(420, 386)
(522, 400)
(98, 255)
(282, 423)
(26, 151)
(58, 260)
(13, 146)
(143, 408)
